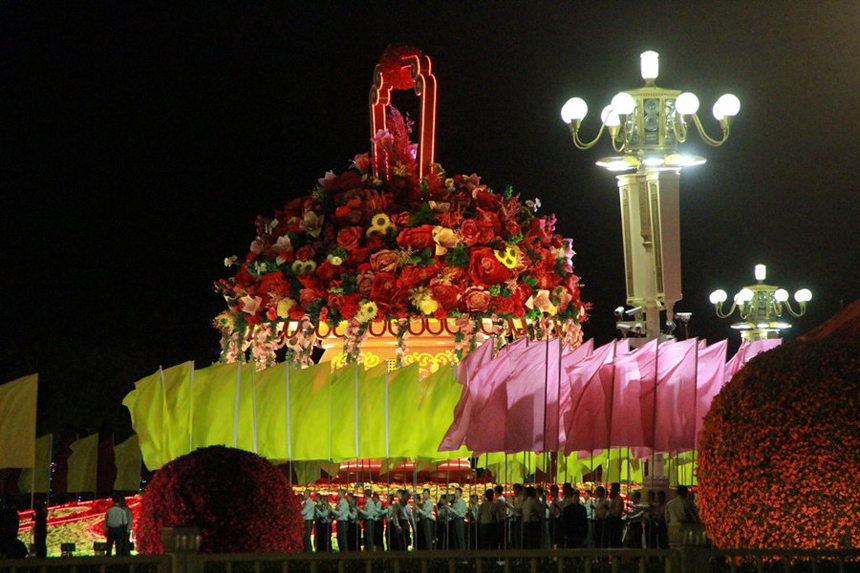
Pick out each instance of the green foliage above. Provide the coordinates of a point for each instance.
(458, 256)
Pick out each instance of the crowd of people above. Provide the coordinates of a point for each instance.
(530, 518)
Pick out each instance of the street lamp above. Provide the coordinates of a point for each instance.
(646, 125)
(760, 307)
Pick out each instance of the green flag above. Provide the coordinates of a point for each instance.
(345, 384)
(371, 413)
(310, 409)
(402, 432)
(272, 395)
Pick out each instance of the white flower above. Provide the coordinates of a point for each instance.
(257, 245)
(283, 245)
(230, 261)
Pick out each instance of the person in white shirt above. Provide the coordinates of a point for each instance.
(368, 517)
(341, 514)
(503, 515)
(458, 514)
(308, 511)
(115, 525)
(395, 531)
(424, 509)
(407, 519)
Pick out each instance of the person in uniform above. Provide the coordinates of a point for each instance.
(308, 514)
(341, 516)
(458, 514)
(368, 518)
(614, 515)
(322, 516)
(424, 511)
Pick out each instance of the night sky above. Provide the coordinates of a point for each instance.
(141, 140)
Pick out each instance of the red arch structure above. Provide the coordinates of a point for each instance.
(403, 68)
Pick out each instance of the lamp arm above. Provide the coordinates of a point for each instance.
(710, 140)
(622, 139)
(795, 313)
(574, 132)
(719, 308)
(679, 127)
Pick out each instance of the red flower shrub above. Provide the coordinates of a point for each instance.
(779, 460)
(240, 502)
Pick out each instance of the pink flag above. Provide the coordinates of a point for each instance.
(532, 395)
(585, 422)
(746, 352)
(711, 375)
(676, 392)
(626, 374)
(487, 396)
(466, 372)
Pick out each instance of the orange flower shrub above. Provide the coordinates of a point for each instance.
(779, 463)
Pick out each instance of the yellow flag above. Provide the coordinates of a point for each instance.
(18, 422)
(310, 408)
(245, 433)
(82, 465)
(176, 383)
(344, 387)
(145, 404)
(436, 399)
(403, 434)
(127, 461)
(42, 469)
(272, 395)
(371, 413)
(214, 406)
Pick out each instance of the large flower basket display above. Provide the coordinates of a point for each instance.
(779, 461)
(396, 260)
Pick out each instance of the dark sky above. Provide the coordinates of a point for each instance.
(142, 139)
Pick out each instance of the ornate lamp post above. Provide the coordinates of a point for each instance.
(646, 125)
(760, 307)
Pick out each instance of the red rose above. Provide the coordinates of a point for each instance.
(401, 219)
(273, 283)
(305, 252)
(417, 238)
(383, 287)
(375, 243)
(485, 268)
(384, 261)
(335, 300)
(446, 294)
(486, 200)
(349, 305)
(328, 272)
(413, 276)
(469, 232)
(344, 182)
(358, 256)
(307, 297)
(347, 238)
(364, 281)
(511, 227)
(489, 226)
(272, 313)
(476, 299)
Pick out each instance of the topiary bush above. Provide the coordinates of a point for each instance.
(779, 461)
(240, 502)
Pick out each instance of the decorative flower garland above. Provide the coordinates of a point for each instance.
(360, 248)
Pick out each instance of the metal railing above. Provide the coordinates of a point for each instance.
(687, 559)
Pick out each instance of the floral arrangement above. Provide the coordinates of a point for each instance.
(240, 502)
(364, 247)
(779, 462)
